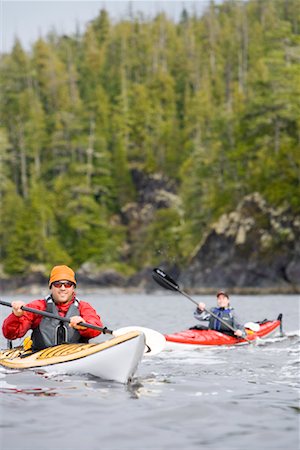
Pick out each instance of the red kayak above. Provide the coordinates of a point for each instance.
(204, 337)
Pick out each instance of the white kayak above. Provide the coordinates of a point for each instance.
(116, 359)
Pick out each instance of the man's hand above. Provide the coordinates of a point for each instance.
(74, 321)
(201, 306)
(16, 306)
(238, 333)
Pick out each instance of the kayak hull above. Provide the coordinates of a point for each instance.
(116, 359)
(210, 338)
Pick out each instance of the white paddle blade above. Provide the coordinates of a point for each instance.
(252, 326)
(155, 341)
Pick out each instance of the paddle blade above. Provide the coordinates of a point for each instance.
(252, 326)
(155, 341)
(164, 280)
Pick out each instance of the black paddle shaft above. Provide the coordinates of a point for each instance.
(56, 317)
(167, 282)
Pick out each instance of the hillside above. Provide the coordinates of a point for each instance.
(123, 146)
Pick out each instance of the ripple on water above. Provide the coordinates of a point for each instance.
(202, 398)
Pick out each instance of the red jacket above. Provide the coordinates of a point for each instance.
(16, 327)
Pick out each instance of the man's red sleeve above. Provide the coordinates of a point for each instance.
(89, 315)
(16, 327)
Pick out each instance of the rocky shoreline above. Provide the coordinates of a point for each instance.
(146, 285)
(255, 248)
(252, 250)
(41, 290)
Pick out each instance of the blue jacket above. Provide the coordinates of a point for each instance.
(226, 314)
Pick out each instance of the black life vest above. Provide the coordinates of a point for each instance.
(52, 332)
(224, 314)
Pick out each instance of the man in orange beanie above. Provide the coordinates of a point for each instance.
(61, 301)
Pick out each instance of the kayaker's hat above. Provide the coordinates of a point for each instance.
(221, 291)
(61, 273)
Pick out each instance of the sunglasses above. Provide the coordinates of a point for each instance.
(59, 284)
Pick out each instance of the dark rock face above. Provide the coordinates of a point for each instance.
(143, 279)
(154, 192)
(34, 278)
(254, 246)
(149, 186)
(107, 278)
(89, 275)
(292, 269)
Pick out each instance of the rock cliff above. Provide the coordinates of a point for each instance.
(252, 248)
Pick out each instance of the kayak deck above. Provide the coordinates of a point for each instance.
(115, 359)
(194, 337)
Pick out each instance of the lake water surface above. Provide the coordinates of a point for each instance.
(217, 398)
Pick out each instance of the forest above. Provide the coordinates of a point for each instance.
(210, 103)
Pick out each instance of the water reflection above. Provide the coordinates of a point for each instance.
(36, 392)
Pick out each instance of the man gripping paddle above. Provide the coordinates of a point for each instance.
(224, 312)
(62, 302)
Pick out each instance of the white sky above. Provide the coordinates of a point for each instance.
(30, 19)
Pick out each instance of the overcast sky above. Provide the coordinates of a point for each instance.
(30, 19)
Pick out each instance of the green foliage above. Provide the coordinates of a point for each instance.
(160, 240)
(211, 102)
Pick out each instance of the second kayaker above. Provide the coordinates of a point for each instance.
(62, 301)
(224, 312)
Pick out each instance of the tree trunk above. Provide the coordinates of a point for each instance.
(90, 154)
(23, 168)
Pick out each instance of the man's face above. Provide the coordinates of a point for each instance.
(223, 301)
(62, 291)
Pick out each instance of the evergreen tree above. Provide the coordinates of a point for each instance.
(210, 102)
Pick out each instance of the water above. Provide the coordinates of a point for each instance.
(221, 398)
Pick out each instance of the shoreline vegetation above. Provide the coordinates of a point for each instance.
(151, 289)
(39, 291)
(150, 142)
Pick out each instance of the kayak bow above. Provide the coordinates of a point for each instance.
(116, 359)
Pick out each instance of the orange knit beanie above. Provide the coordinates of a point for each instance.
(59, 273)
